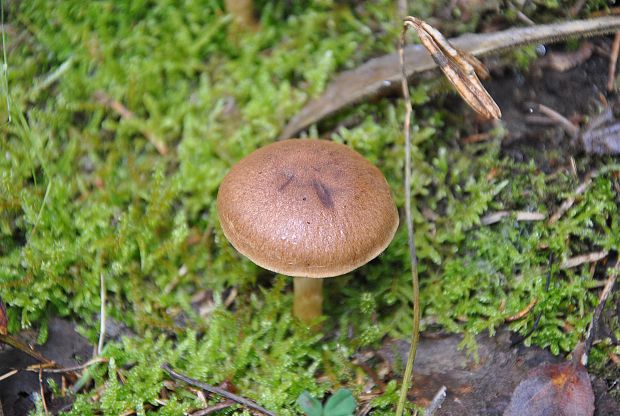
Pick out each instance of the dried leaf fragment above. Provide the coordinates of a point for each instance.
(460, 68)
(562, 389)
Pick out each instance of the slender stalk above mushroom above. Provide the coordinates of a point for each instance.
(309, 209)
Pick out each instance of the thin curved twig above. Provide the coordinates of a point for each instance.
(415, 333)
(216, 390)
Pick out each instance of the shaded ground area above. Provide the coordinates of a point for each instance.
(64, 346)
(482, 387)
(575, 93)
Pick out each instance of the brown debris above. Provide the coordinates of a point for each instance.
(476, 138)
(522, 313)
(216, 390)
(602, 135)
(563, 61)
(584, 258)
(596, 316)
(562, 389)
(380, 76)
(566, 205)
(126, 114)
(496, 217)
(613, 60)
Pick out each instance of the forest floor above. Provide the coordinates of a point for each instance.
(125, 116)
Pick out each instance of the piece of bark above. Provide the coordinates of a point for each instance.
(381, 76)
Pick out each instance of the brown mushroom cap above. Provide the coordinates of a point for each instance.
(307, 208)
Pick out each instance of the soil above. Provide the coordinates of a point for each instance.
(482, 387)
(574, 94)
(64, 346)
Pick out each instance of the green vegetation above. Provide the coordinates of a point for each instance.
(342, 403)
(84, 191)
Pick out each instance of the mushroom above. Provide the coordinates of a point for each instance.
(307, 208)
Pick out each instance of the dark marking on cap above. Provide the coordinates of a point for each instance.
(289, 179)
(323, 193)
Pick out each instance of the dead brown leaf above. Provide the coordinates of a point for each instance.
(562, 389)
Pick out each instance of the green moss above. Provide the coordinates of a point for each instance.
(84, 193)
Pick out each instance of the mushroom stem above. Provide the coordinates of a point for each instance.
(308, 302)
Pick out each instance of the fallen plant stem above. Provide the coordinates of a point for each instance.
(87, 364)
(566, 205)
(126, 114)
(437, 401)
(25, 348)
(5, 78)
(42, 392)
(522, 313)
(537, 321)
(564, 61)
(214, 408)
(596, 316)
(557, 118)
(613, 61)
(51, 78)
(216, 390)
(460, 68)
(381, 76)
(9, 374)
(415, 333)
(496, 217)
(584, 258)
(101, 314)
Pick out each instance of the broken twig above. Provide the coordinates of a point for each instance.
(557, 118)
(566, 205)
(584, 258)
(611, 280)
(7, 375)
(564, 61)
(42, 393)
(537, 321)
(381, 76)
(17, 344)
(519, 216)
(216, 390)
(126, 114)
(214, 408)
(436, 403)
(613, 61)
(522, 313)
(73, 369)
(101, 314)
